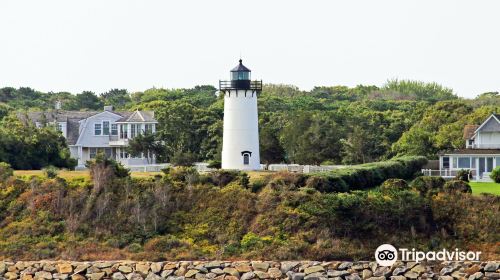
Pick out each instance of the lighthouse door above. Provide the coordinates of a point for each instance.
(246, 159)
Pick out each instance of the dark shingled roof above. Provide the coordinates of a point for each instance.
(240, 68)
(469, 131)
(473, 152)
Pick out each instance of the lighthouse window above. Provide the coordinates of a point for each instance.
(240, 75)
(246, 159)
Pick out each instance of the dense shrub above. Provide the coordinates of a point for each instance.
(5, 171)
(495, 174)
(222, 178)
(428, 185)
(370, 175)
(394, 185)
(455, 186)
(463, 175)
(50, 171)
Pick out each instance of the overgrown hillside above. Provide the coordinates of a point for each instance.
(186, 215)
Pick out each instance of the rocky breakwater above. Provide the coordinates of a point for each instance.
(246, 270)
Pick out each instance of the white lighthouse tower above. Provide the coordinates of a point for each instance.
(240, 143)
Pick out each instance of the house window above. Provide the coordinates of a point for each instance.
(246, 159)
(114, 129)
(473, 162)
(455, 162)
(59, 127)
(148, 128)
(123, 153)
(446, 162)
(108, 152)
(123, 131)
(93, 152)
(105, 128)
(97, 129)
(464, 162)
(497, 161)
(132, 130)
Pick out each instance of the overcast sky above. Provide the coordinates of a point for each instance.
(63, 45)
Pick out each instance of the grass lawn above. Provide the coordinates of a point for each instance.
(65, 174)
(485, 187)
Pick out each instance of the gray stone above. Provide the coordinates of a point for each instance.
(287, 266)
(81, 268)
(211, 275)
(247, 276)
(231, 271)
(134, 276)
(103, 264)
(314, 276)
(200, 276)
(125, 269)
(12, 275)
(152, 276)
(297, 276)
(398, 277)
(3, 268)
(93, 269)
(274, 272)
(458, 275)
(261, 274)
(354, 276)
(166, 273)
(366, 274)
(418, 269)
(217, 271)
(445, 277)
(313, 269)
(191, 273)
(400, 270)
(156, 267)
(344, 265)
(477, 275)
(410, 265)
(492, 275)
(411, 275)
(382, 271)
(337, 273)
(261, 266)
(43, 275)
(201, 268)
(118, 276)
(373, 266)
(60, 276)
(380, 278)
(49, 268)
(96, 276)
(491, 266)
(447, 270)
(212, 265)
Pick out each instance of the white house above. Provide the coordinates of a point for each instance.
(481, 154)
(89, 133)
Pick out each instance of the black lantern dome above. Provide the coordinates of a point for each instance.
(240, 79)
(240, 73)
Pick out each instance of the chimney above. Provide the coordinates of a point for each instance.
(108, 108)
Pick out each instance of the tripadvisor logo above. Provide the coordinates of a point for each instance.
(387, 255)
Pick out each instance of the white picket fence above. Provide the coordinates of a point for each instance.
(203, 167)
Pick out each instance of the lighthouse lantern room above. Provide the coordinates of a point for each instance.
(240, 142)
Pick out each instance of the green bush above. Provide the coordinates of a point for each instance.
(216, 164)
(428, 185)
(5, 171)
(394, 185)
(495, 174)
(455, 186)
(51, 171)
(369, 175)
(463, 175)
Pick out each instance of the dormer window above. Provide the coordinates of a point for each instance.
(114, 129)
(105, 128)
(97, 129)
